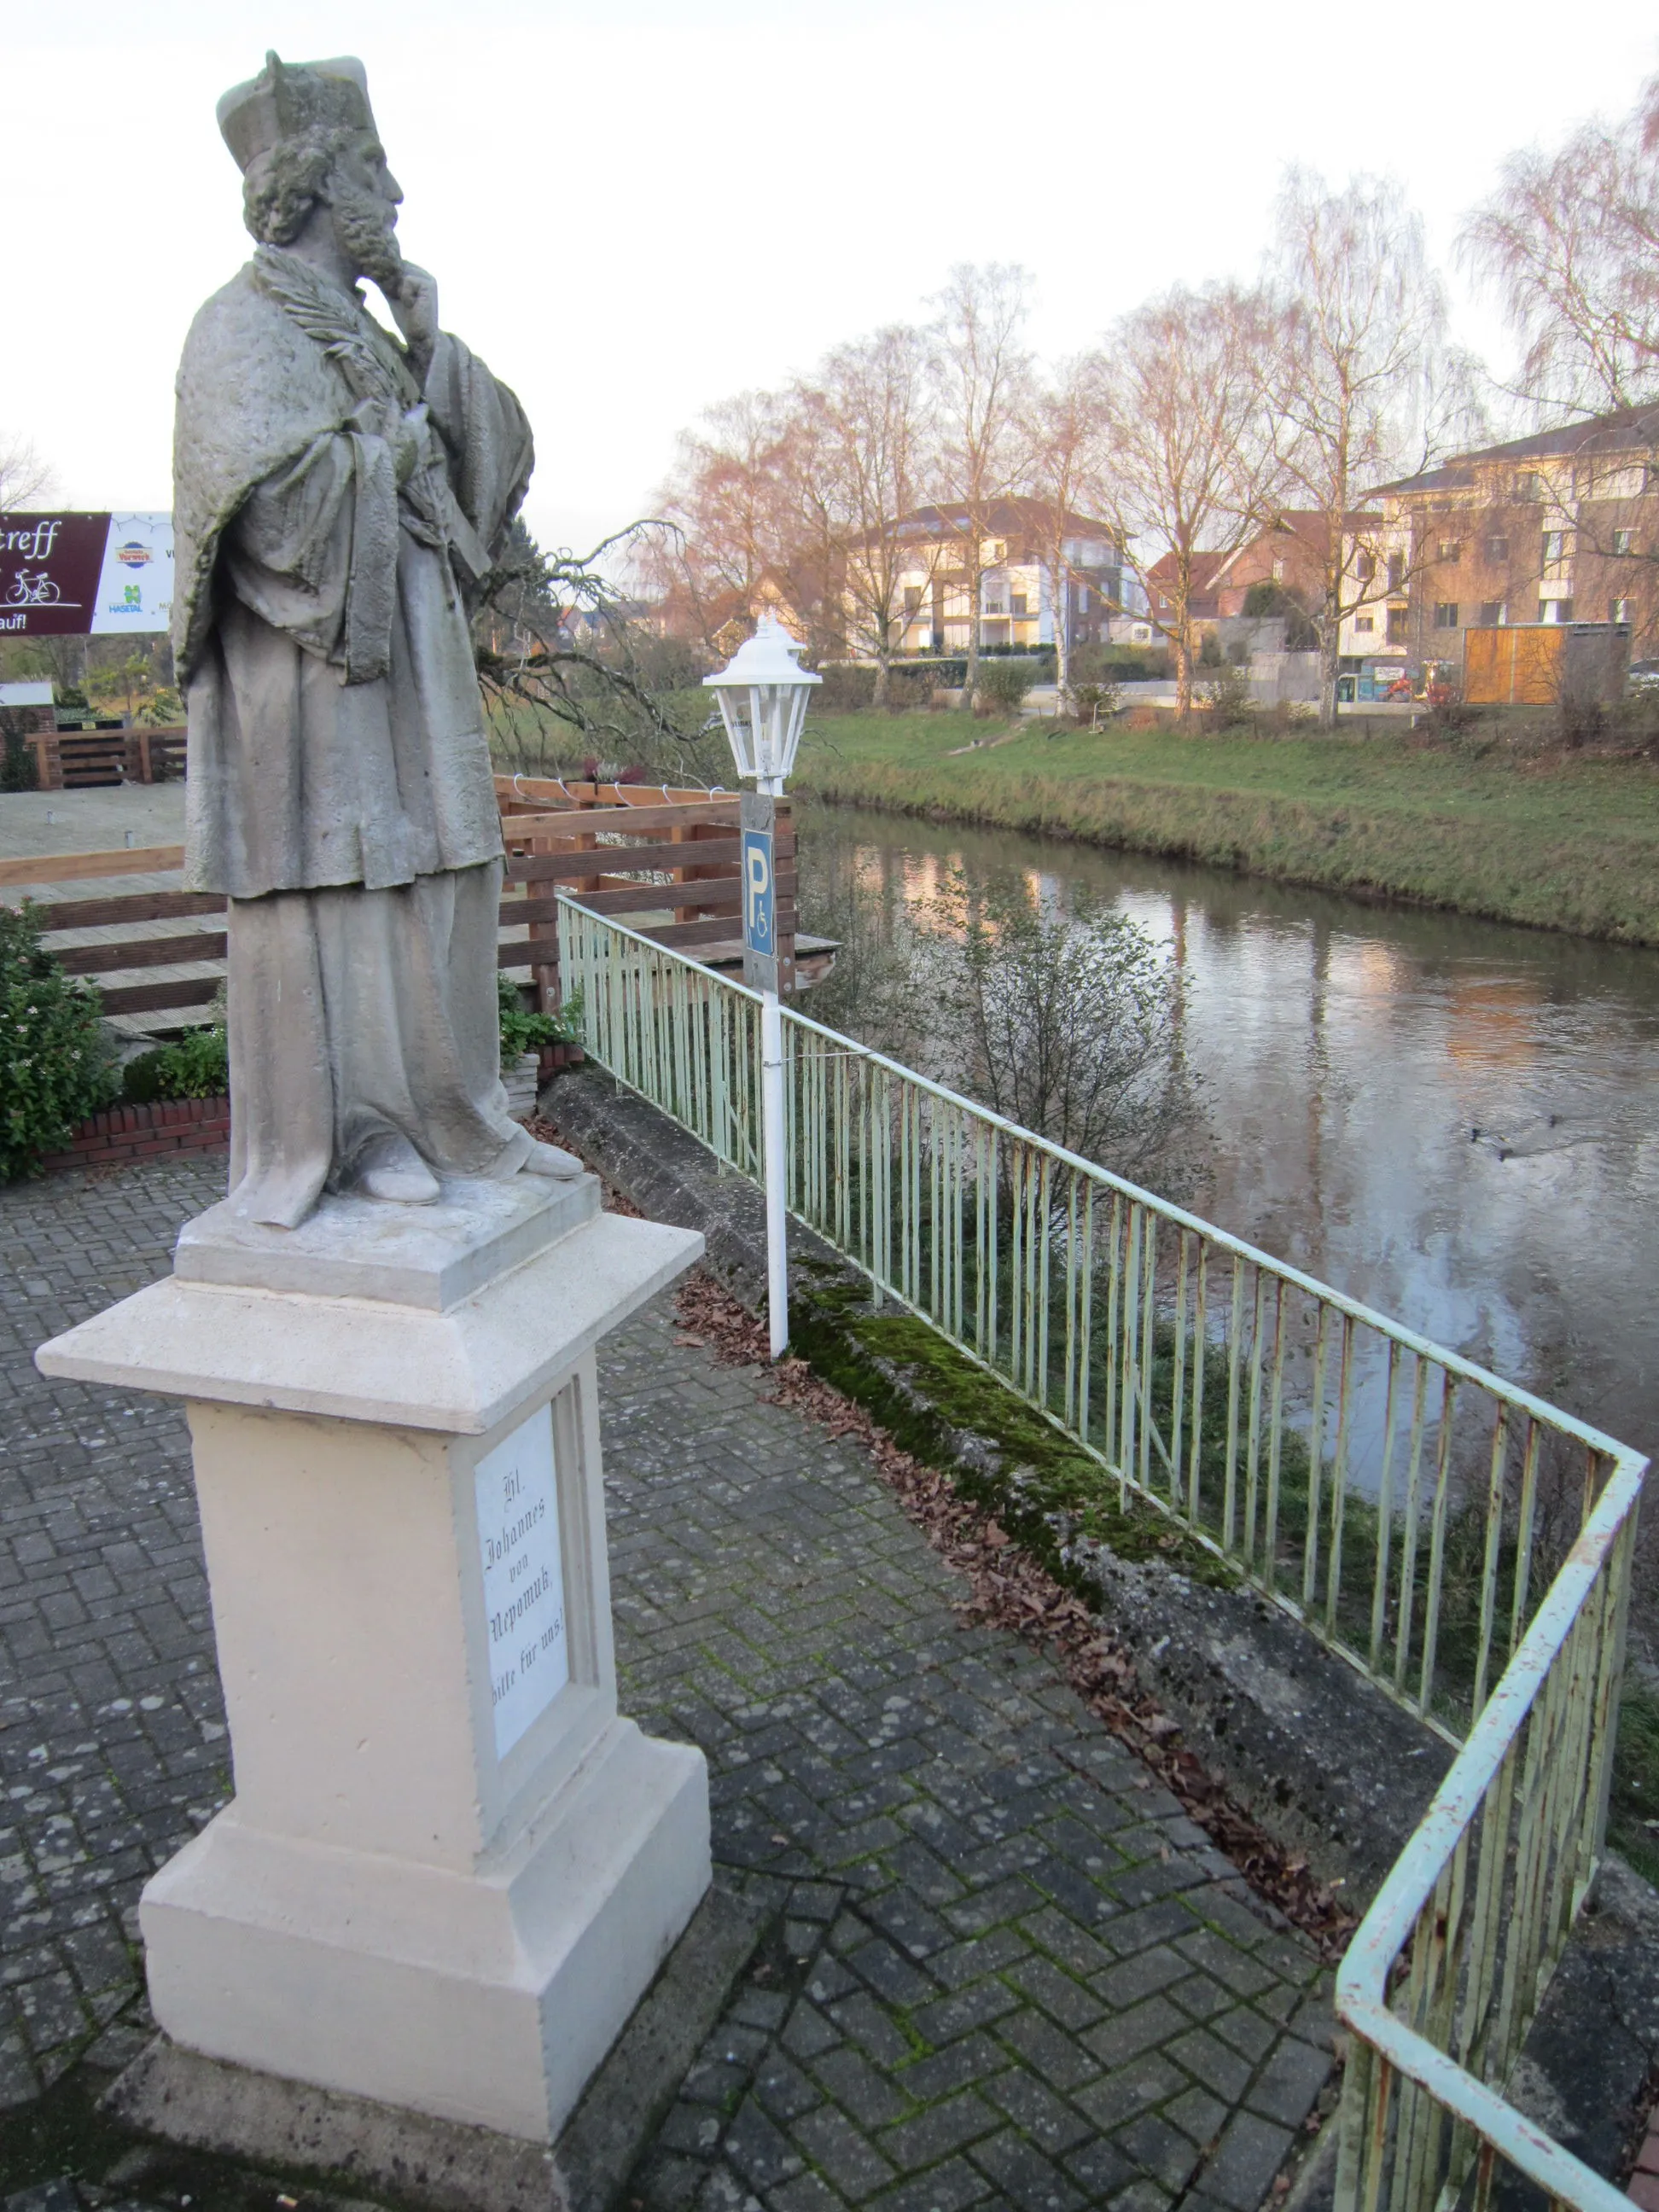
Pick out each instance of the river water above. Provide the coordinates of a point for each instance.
(1455, 1121)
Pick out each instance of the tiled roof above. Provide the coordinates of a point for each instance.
(1626, 429)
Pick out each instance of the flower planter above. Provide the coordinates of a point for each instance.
(140, 1132)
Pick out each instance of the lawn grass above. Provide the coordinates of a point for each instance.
(1554, 842)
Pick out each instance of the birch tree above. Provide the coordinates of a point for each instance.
(1569, 241)
(1362, 385)
(1063, 436)
(982, 376)
(1186, 465)
(867, 456)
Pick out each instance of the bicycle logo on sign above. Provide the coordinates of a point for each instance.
(32, 588)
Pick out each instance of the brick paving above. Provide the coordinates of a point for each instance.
(1005, 1969)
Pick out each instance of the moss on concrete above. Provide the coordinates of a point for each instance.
(929, 1397)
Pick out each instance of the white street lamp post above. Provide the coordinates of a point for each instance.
(762, 696)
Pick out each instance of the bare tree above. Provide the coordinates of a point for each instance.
(867, 453)
(733, 516)
(1569, 240)
(25, 475)
(981, 377)
(1063, 437)
(1362, 385)
(1187, 468)
(567, 669)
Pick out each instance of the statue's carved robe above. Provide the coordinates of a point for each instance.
(339, 788)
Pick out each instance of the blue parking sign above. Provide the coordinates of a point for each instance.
(759, 915)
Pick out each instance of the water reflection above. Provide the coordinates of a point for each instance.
(1455, 1121)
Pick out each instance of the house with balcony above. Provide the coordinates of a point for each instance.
(1026, 594)
(1287, 558)
(1561, 526)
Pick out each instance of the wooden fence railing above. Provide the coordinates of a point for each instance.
(665, 862)
(75, 760)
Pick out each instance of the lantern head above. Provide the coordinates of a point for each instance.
(762, 694)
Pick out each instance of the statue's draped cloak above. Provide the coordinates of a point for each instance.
(320, 621)
(339, 788)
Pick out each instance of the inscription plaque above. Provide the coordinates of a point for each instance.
(517, 1500)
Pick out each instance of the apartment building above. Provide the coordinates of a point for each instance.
(1022, 602)
(1559, 527)
(1289, 555)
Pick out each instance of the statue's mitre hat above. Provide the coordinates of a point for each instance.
(282, 101)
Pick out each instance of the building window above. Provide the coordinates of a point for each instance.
(1498, 548)
(1491, 613)
(913, 598)
(1528, 485)
(1555, 611)
(1017, 601)
(1445, 614)
(1396, 572)
(1397, 625)
(1619, 610)
(1621, 542)
(1279, 569)
(1555, 547)
(1083, 598)
(1365, 566)
(1450, 550)
(1364, 623)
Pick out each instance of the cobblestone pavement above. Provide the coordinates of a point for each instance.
(1005, 1970)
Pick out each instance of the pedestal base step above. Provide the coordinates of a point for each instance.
(228, 2111)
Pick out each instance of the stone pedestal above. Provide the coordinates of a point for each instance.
(450, 1868)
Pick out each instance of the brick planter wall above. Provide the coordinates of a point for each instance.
(139, 1132)
(197, 1125)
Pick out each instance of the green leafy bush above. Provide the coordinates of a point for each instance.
(1227, 701)
(55, 1065)
(1092, 704)
(17, 765)
(523, 1031)
(1120, 664)
(1003, 684)
(846, 690)
(196, 1067)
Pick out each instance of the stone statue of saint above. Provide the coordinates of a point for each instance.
(337, 498)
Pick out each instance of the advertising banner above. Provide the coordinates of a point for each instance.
(85, 575)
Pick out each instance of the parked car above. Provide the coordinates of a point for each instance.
(1642, 676)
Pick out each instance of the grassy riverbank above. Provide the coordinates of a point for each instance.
(1559, 843)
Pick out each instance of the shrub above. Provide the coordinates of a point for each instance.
(845, 690)
(1092, 704)
(1120, 664)
(18, 770)
(1225, 700)
(197, 1066)
(1210, 654)
(1004, 684)
(909, 689)
(524, 1032)
(55, 1065)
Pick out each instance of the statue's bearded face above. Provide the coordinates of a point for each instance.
(363, 198)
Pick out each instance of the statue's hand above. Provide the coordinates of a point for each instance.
(415, 310)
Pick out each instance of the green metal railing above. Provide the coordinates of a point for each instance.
(1409, 1508)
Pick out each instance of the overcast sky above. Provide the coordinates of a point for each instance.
(634, 208)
